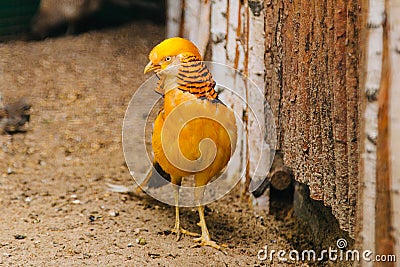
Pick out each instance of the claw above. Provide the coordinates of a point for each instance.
(207, 242)
(180, 231)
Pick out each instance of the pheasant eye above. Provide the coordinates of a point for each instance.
(168, 59)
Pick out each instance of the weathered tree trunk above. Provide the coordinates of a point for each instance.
(312, 58)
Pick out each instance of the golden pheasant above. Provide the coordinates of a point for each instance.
(192, 113)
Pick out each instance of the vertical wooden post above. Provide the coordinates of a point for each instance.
(394, 119)
(354, 74)
(383, 236)
(340, 108)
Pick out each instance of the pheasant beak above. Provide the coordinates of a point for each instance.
(151, 67)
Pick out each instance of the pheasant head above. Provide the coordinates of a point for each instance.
(169, 52)
(178, 64)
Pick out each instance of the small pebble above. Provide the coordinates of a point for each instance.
(141, 241)
(18, 236)
(76, 201)
(113, 213)
(130, 245)
(137, 230)
(164, 232)
(154, 255)
(86, 255)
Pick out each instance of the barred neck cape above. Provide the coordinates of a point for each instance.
(195, 78)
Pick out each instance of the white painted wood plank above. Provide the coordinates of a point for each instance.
(204, 26)
(197, 23)
(218, 55)
(174, 14)
(231, 42)
(373, 76)
(256, 74)
(218, 30)
(191, 20)
(260, 157)
(234, 52)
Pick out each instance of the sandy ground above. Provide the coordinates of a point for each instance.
(55, 209)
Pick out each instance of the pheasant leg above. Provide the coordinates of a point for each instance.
(178, 230)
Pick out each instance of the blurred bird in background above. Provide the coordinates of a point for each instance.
(15, 116)
(188, 89)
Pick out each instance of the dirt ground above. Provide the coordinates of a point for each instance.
(55, 209)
